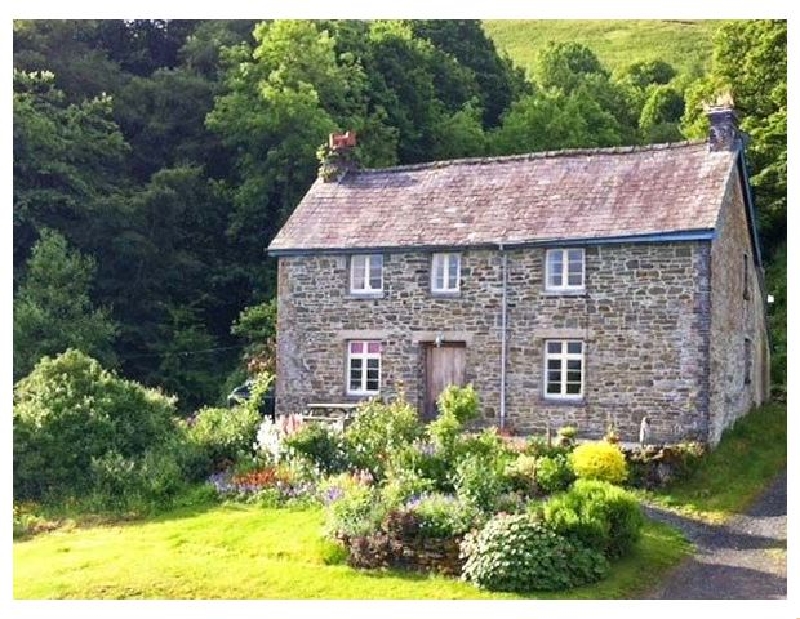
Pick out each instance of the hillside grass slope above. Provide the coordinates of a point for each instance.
(685, 44)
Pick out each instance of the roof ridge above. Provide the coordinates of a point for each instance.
(550, 154)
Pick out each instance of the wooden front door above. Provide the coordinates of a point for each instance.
(445, 365)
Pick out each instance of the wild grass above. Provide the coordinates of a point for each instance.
(685, 44)
(248, 552)
(749, 456)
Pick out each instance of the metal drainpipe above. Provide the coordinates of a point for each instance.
(503, 343)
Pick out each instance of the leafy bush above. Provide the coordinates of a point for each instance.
(357, 511)
(479, 481)
(460, 402)
(554, 473)
(68, 412)
(517, 554)
(522, 474)
(421, 459)
(537, 446)
(377, 430)
(320, 446)
(597, 514)
(599, 460)
(222, 433)
(442, 516)
(403, 484)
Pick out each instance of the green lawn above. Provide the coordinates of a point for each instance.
(247, 552)
(685, 44)
(750, 455)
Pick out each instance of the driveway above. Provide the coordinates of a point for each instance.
(743, 559)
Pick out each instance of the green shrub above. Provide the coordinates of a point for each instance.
(322, 447)
(554, 473)
(537, 446)
(517, 554)
(222, 433)
(422, 459)
(358, 511)
(69, 411)
(599, 460)
(597, 514)
(461, 402)
(401, 485)
(442, 516)
(479, 482)
(378, 430)
(522, 474)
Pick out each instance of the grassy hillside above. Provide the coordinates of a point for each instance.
(684, 44)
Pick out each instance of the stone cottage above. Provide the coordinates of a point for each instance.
(581, 286)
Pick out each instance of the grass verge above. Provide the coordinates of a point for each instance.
(248, 552)
(749, 456)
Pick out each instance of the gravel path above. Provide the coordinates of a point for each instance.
(743, 559)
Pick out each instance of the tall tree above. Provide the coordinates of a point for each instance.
(53, 310)
(67, 160)
(750, 62)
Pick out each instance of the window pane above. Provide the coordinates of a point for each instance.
(453, 272)
(573, 364)
(553, 376)
(575, 279)
(575, 267)
(573, 388)
(553, 364)
(359, 272)
(355, 384)
(376, 272)
(439, 283)
(374, 347)
(438, 264)
(574, 376)
(356, 347)
(373, 364)
(576, 255)
(372, 385)
(554, 347)
(574, 348)
(555, 268)
(554, 387)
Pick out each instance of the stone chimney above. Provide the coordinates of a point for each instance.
(724, 127)
(338, 156)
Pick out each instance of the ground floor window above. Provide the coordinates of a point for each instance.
(563, 369)
(363, 367)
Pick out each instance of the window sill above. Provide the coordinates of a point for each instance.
(445, 294)
(562, 401)
(565, 293)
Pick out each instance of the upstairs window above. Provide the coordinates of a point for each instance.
(745, 277)
(563, 369)
(566, 269)
(445, 272)
(366, 274)
(363, 368)
(748, 360)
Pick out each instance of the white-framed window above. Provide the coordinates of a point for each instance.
(563, 367)
(363, 367)
(366, 273)
(565, 269)
(445, 272)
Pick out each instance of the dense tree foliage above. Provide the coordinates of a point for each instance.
(165, 154)
(750, 63)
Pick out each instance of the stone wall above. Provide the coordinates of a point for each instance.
(735, 318)
(644, 319)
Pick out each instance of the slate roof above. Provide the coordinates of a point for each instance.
(562, 195)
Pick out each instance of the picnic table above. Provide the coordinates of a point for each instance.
(337, 414)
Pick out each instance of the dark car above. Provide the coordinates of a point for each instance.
(243, 393)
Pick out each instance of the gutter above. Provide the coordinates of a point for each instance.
(504, 342)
